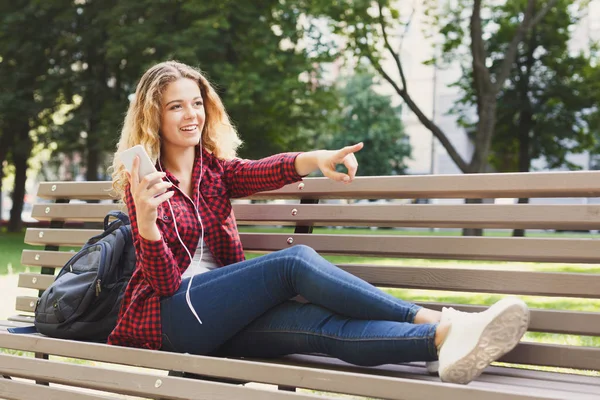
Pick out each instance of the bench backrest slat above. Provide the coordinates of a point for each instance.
(461, 248)
(457, 248)
(538, 184)
(450, 279)
(382, 215)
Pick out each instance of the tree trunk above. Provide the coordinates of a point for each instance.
(3, 153)
(21, 153)
(520, 232)
(473, 231)
(93, 145)
(483, 137)
(6, 144)
(479, 161)
(93, 159)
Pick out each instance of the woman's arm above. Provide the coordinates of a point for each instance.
(155, 258)
(246, 177)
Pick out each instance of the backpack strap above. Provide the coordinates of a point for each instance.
(121, 220)
(120, 216)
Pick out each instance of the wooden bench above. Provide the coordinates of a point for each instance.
(296, 221)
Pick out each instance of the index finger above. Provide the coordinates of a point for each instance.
(351, 149)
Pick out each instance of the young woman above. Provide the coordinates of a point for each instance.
(192, 290)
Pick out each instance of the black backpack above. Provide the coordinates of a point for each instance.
(84, 300)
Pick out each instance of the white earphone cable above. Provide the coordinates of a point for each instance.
(187, 292)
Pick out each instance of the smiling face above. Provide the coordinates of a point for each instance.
(182, 115)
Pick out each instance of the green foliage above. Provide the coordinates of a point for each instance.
(87, 55)
(544, 110)
(252, 52)
(365, 116)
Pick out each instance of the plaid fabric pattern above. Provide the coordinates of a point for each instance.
(161, 263)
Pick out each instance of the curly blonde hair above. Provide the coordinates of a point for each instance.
(142, 122)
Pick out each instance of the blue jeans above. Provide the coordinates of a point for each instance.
(246, 311)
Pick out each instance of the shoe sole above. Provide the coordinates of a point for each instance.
(496, 340)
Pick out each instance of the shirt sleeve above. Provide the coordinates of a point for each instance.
(154, 258)
(246, 177)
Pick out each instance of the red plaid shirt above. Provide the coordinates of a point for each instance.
(161, 263)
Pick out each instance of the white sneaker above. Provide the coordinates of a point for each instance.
(475, 340)
(433, 367)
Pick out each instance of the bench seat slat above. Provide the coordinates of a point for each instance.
(566, 322)
(464, 248)
(493, 185)
(266, 372)
(382, 215)
(24, 319)
(133, 383)
(496, 375)
(12, 324)
(545, 376)
(19, 390)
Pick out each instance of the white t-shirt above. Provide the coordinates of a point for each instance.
(201, 266)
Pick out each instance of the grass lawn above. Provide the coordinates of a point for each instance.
(11, 246)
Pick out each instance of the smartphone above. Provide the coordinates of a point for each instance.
(146, 166)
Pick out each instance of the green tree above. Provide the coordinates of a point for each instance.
(257, 55)
(88, 55)
(28, 94)
(97, 84)
(544, 106)
(250, 50)
(365, 116)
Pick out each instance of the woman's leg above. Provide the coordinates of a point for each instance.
(301, 270)
(295, 328)
(230, 298)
